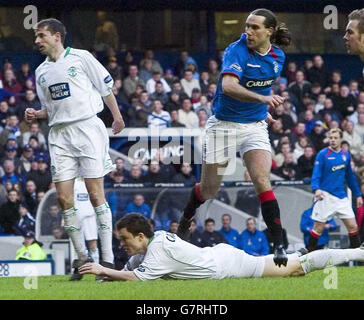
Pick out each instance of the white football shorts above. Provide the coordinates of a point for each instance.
(330, 207)
(89, 227)
(79, 149)
(223, 139)
(235, 263)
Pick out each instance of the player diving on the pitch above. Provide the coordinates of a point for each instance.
(165, 255)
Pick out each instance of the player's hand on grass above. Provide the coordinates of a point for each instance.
(273, 101)
(359, 202)
(30, 115)
(319, 195)
(118, 126)
(93, 268)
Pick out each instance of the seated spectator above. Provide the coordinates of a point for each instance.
(12, 127)
(169, 76)
(185, 175)
(25, 223)
(320, 103)
(253, 241)
(9, 173)
(50, 219)
(276, 133)
(26, 160)
(204, 105)
(138, 206)
(318, 137)
(287, 121)
(177, 87)
(114, 68)
(151, 84)
(9, 212)
(155, 174)
(204, 81)
(136, 175)
(30, 197)
(174, 102)
(329, 108)
(298, 88)
(306, 226)
(230, 234)
(59, 233)
(159, 118)
(211, 237)
(159, 93)
(299, 147)
(211, 90)
(4, 114)
(149, 55)
(42, 176)
(354, 139)
(345, 103)
(132, 81)
(24, 73)
(11, 84)
(3, 195)
(173, 226)
(288, 170)
(309, 121)
(359, 126)
(195, 235)
(213, 71)
(195, 98)
(11, 152)
(189, 83)
(34, 131)
(191, 65)
(305, 163)
(187, 116)
(279, 157)
(31, 249)
(271, 242)
(119, 168)
(175, 120)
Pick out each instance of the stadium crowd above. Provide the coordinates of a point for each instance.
(181, 95)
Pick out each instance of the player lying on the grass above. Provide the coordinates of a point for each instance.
(168, 256)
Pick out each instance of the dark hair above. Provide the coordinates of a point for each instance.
(53, 25)
(281, 36)
(208, 220)
(135, 223)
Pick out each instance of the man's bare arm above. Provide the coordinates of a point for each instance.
(32, 114)
(111, 103)
(232, 88)
(94, 268)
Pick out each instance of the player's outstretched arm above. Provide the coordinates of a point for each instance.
(32, 114)
(118, 124)
(232, 88)
(97, 269)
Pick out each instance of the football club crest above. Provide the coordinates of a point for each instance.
(72, 72)
(275, 66)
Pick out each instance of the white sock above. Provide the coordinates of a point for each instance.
(94, 253)
(104, 223)
(321, 259)
(72, 226)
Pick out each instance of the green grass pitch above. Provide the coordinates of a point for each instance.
(350, 285)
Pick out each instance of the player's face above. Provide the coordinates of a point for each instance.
(45, 40)
(132, 244)
(335, 141)
(257, 34)
(354, 42)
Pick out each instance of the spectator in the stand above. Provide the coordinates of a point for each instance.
(30, 101)
(138, 206)
(175, 120)
(204, 81)
(114, 68)
(287, 120)
(132, 81)
(355, 116)
(59, 233)
(42, 177)
(3, 195)
(11, 84)
(186, 115)
(270, 239)
(173, 226)
(318, 73)
(159, 118)
(25, 222)
(12, 127)
(4, 114)
(189, 83)
(9, 211)
(202, 118)
(309, 121)
(180, 65)
(155, 174)
(149, 55)
(214, 72)
(298, 88)
(145, 100)
(24, 73)
(345, 103)
(185, 175)
(276, 133)
(159, 93)
(50, 219)
(318, 137)
(174, 103)
(354, 139)
(211, 237)
(151, 84)
(34, 131)
(195, 98)
(354, 88)
(307, 65)
(119, 167)
(31, 249)
(191, 65)
(253, 241)
(30, 197)
(11, 152)
(136, 175)
(359, 127)
(306, 226)
(279, 157)
(106, 35)
(126, 62)
(195, 235)
(177, 86)
(305, 163)
(9, 173)
(169, 76)
(146, 70)
(335, 78)
(211, 90)
(299, 147)
(329, 108)
(204, 105)
(291, 71)
(230, 234)
(289, 169)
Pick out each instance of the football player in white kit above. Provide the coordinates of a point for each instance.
(72, 86)
(354, 35)
(168, 256)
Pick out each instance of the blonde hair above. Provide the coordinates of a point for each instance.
(336, 130)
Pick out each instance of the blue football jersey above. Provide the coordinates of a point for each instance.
(256, 72)
(332, 171)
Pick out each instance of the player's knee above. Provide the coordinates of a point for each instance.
(96, 198)
(65, 200)
(261, 183)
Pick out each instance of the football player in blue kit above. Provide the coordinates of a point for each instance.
(250, 67)
(331, 172)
